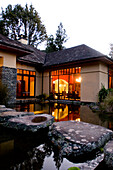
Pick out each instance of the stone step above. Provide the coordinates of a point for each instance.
(4, 116)
(78, 138)
(29, 123)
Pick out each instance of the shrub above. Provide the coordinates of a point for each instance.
(107, 105)
(102, 94)
(3, 94)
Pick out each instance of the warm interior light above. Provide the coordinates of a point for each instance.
(77, 120)
(78, 80)
(56, 97)
(53, 82)
(53, 113)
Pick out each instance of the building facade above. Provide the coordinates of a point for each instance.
(77, 73)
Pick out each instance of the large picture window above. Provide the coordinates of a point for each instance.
(25, 83)
(65, 83)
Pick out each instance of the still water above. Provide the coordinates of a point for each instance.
(64, 112)
(28, 152)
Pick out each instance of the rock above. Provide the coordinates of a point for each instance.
(30, 123)
(108, 154)
(4, 116)
(84, 136)
(4, 109)
(2, 106)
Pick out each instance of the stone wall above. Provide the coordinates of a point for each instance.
(9, 78)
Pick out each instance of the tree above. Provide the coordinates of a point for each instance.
(111, 50)
(61, 37)
(56, 44)
(26, 21)
(51, 46)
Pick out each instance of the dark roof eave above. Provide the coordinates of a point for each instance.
(104, 59)
(30, 62)
(18, 50)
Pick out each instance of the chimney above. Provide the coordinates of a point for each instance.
(23, 40)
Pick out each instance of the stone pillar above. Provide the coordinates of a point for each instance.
(9, 78)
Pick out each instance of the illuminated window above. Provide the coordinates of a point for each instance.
(26, 83)
(1, 61)
(65, 83)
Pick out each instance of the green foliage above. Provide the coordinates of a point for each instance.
(107, 105)
(61, 37)
(51, 46)
(56, 44)
(101, 150)
(74, 168)
(26, 21)
(102, 94)
(3, 94)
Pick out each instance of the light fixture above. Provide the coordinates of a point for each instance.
(78, 80)
(53, 82)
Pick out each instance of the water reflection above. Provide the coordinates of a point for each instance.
(29, 152)
(32, 152)
(64, 112)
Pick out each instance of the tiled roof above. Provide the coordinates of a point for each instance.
(33, 56)
(37, 56)
(13, 43)
(73, 54)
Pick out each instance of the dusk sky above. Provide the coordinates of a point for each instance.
(87, 22)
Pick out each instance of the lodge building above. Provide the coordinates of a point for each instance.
(77, 73)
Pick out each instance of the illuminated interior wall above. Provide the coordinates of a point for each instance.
(66, 82)
(1, 61)
(32, 86)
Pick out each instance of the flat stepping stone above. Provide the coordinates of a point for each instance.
(30, 123)
(4, 109)
(2, 106)
(108, 154)
(79, 137)
(4, 116)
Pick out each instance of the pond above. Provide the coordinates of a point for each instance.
(65, 112)
(35, 152)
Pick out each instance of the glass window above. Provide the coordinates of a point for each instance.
(19, 86)
(20, 71)
(67, 84)
(25, 83)
(1, 61)
(25, 86)
(71, 70)
(64, 71)
(32, 85)
(67, 71)
(17, 70)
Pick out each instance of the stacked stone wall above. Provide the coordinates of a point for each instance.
(9, 78)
